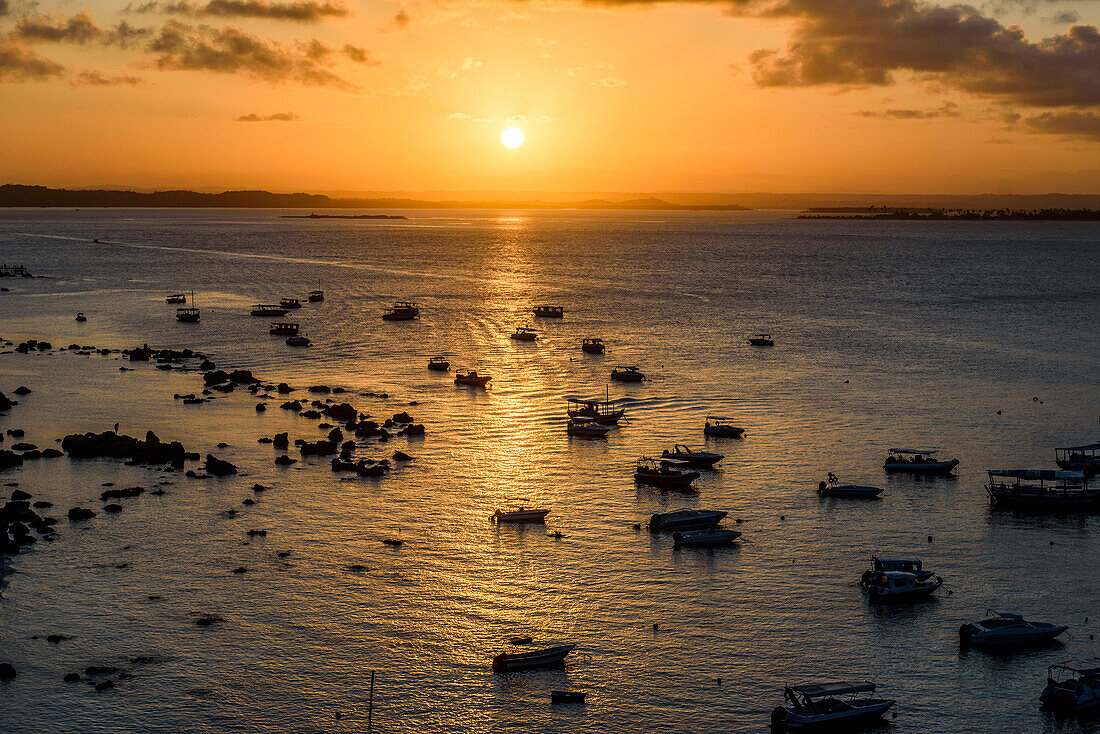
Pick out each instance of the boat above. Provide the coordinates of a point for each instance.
(1041, 489)
(521, 514)
(685, 520)
(472, 378)
(316, 296)
(592, 346)
(188, 315)
(547, 657)
(81, 317)
(761, 340)
(587, 428)
(721, 428)
(709, 538)
(268, 309)
(439, 364)
(918, 461)
(685, 455)
(819, 706)
(550, 312)
(601, 411)
(627, 374)
(283, 328)
(525, 334)
(657, 474)
(833, 488)
(1072, 686)
(176, 298)
(290, 303)
(1079, 458)
(298, 341)
(1008, 628)
(567, 696)
(897, 579)
(402, 311)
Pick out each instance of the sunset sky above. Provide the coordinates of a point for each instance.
(890, 96)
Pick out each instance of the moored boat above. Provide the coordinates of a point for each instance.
(1072, 686)
(551, 312)
(402, 311)
(627, 374)
(298, 341)
(567, 696)
(657, 474)
(1004, 629)
(290, 303)
(316, 296)
(833, 488)
(283, 328)
(592, 346)
(1079, 458)
(683, 454)
(188, 315)
(81, 317)
(882, 583)
(510, 662)
(471, 378)
(818, 706)
(685, 520)
(520, 514)
(601, 411)
(176, 298)
(761, 340)
(439, 364)
(708, 538)
(267, 309)
(525, 334)
(587, 428)
(721, 428)
(918, 461)
(1041, 490)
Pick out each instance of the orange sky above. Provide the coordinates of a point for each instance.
(889, 96)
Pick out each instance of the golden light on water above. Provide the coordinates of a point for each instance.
(512, 137)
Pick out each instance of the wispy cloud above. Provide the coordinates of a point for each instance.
(277, 117)
(91, 78)
(610, 81)
(24, 65)
(1074, 124)
(298, 11)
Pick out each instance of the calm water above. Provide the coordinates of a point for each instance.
(983, 339)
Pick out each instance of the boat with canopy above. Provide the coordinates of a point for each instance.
(402, 311)
(722, 427)
(685, 455)
(283, 328)
(605, 412)
(268, 309)
(550, 312)
(918, 461)
(660, 474)
(471, 378)
(627, 374)
(1041, 489)
(525, 334)
(1072, 686)
(592, 346)
(761, 340)
(1079, 458)
(188, 315)
(820, 706)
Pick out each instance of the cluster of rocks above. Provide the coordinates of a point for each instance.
(151, 451)
(145, 353)
(18, 519)
(32, 345)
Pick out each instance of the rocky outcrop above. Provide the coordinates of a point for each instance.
(219, 467)
(114, 446)
(77, 514)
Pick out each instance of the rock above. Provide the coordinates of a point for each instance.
(112, 508)
(23, 446)
(71, 677)
(18, 494)
(367, 429)
(15, 432)
(258, 488)
(343, 412)
(283, 554)
(223, 445)
(291, 405)
(215, 377)
(281, 441)
(257, 533)
(219, 467)
(207, 366)
(282, 388)
(22, 390)
(240, 569)
(43, 504)
(323, 389)
(261, 407)
(318, 448)
(51, 454)
(7, 671)
(77, 514)
(111, 494)
(9, 459)
(311, 414)
(336, 435)
(285, 460)
(264, 439)
(401, 456)
(57, 639)
(6, 403)
(414, 429)
(115, 446)
(248, 501)
(402, 417)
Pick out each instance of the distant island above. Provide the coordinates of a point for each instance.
(342, 216)
(977, 215)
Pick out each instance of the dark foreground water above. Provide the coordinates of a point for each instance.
(980, 338)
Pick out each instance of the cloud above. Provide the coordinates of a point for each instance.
(459, 116)
(5, 7)
(359, 55)
(277, 117)
(610, 81)
(1066, 17)
(401, 19)
(96, 79)
(24, 65)
(298, 11)
(544, 118)
(78, 29)
(1076, 124)
(947, 109)
(516, 118)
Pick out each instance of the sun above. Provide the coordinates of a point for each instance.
(512, 137)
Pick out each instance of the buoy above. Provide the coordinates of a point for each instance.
(738, 521)
(929, 538)
(718, 681)
(782, 517)
(637, 526)
(656, 626)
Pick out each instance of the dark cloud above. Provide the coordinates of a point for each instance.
(277, 117)
(5, 7)
(947, 109)
(96, 79)
(80, 29)
(1066, 17)
(300, 11)
(401, 19)
(359, 55)
(1077, 124)
(24, 65)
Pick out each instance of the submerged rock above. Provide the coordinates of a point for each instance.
(76, 514)
(208, 619)
(7, 671)
(22, 390)
(285, 460)
(112, 508)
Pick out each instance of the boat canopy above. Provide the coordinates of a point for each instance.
(1036, 474)
(1006, 615)
(1088, 447)
(718, 418)
(917, 452)
(1084, 666)
(589, 401)
(836, 688)
(899, 562)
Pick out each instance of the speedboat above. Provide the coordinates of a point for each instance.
(81, 317)
(819, 706)
(402, 311)
(683, 454)
(316, 296)
(268, 309)
(889, 585)
(551, 312)
(547, 657)
(1079, 458)
(1008, 628)
(472, 378)
(721, 428)
(592, 346)
(601, 411)
(567, 696)
(298, 341)
(290, 303)
(855, 491)
(525, 334)
(657, 474)
(520, 514)
(918, 461)
(176, 298)
(1072, 686)
(761, 340)
(1041, 489)
(439, 364)
(627, 374)
(283, 328)
(685, 520)
(709, 538)
(587, 428)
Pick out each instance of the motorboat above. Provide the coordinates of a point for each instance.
(402, 311)
(761, 340)
(81, 317)
(1079, 458)
(525, 334)
(550, 312)
(592, 346)
(658, 474)
(833, 488)
(821, 706)
(914, 566)
(547, 657)
(601, 411)
(709, 538)
(721, 428)
(283, 328)
(587, 428)
(439, 364)
(1041, 489)
(627, 374)
(918, 461)
(472, 378)
(268, 309)
(290, 303)
(684, 455)
(1072, 686)
(316, 296)
(1008, 628)
(899, 585)
(176, 298)
(567, 696)
(298, 341)
(521, 514)
(685, 520)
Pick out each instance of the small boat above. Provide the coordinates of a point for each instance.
(176, 298)
(721, 428)
(290, 303)
(81, 317)
(472, 378)
(525, 334)
(601, 411)
(267, 309)
(1079, 458)
(283, 328)
(439, 364)
(819, 706)
(521, 514)
(547, 657)
(550, 312)
(657, 474)
(316, 296)
(188, 315)
(918, 461)
(851, 491)
(709, 538)
(1008, 628)
(587, 428)
(592, 346)
(402, 311)
(627, 374)
(298, 341)
(685, 520)
(685, 455)
(897, 579)
(1041, 489)
(1072, 686)
(761, 340)
(567, 696)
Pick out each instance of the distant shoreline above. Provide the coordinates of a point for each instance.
(970, 215)
(343, 216)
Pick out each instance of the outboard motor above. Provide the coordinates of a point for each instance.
(964, 634)
(821, 487)
(655, 523)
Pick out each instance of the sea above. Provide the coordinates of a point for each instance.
(981, 339)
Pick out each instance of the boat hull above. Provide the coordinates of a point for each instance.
(1009, 638)
(1037, 501)
(877, 593)
(547, 658)
(524, 516)
(724, 432)
(627, 377)
(705, 539)
(938, 467)
(864, 714)
(850, 491)
(682, 481)
(589, 349)
(700, 459)
(685, 520)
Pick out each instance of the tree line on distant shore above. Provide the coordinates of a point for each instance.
(1046, 215)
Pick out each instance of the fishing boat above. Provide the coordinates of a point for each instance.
(592, 346)
(550, 312)
(402, 311)
(567, 696)
(525, 334)
(761, 340)
(188, 315)
(897, 579)
(1072, 686)
(918, 461)
(298, 341)
(283, 328)
(176, 298)
(587, 428)
(819, 706)
(685, 520)
(602, 411)
(627, 374)
(709, 538)
(547, 657)
(1008, 628)
(439, 364)
(290, 303)
(81, 317)
(721, 428)
(833, 488)
(521, 514)
(1079, 458)
(1041, 489)
(316, 296)
(268, 309)
(683, 454)
(657, 474)
(472, 378)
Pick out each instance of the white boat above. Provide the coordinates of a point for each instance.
(819, 706)
(587, 428)
(918, 461)
(1072, 686)
(659, 474)
(1041, 489)
(833, 488)
(899, 585)
(509, 662)
(521, 514)
(627, 374)
(1008, 628)
(684, 454)
(685, 520)
(709, 538)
